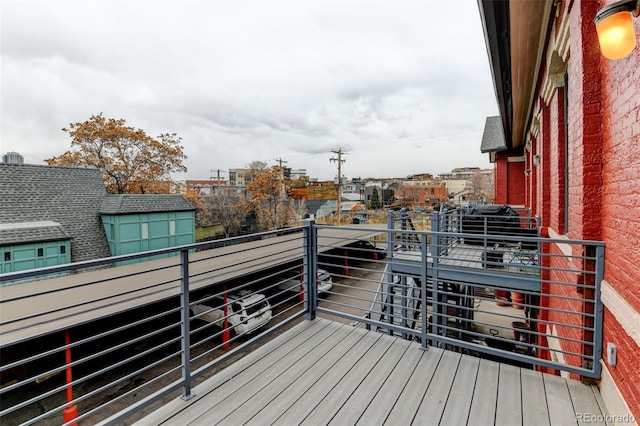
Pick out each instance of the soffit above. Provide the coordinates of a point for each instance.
(528, 25)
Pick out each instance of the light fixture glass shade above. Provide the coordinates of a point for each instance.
(616, 35)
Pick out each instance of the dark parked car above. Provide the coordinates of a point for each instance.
(356, 250)
(363, 249)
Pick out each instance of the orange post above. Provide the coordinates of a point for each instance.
(71, 412)
(226, 334)
(346, 264)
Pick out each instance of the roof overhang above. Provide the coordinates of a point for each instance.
(516, 33)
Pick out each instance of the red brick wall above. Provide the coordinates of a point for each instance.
(620, 210)
(556, 161)
(515, 171)
(585, 124)
(621, 174)
(604, 177)
(509, 179)
(501, 180)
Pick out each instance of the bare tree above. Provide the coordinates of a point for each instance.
(223, 207)
(481, 187)
(255, 167)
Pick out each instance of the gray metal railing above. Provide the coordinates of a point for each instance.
(514, 297)
(149, 328)
(137, 334)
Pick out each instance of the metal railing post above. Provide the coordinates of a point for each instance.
(423, 295)
(435, 293)
(310, 271)
(185, 328)
(391, 233)
(599, 311)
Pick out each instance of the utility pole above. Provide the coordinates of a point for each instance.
(282, 191)
(339, 160)
(218, 182)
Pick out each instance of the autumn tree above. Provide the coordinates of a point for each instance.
(268, 200)
(131, 161)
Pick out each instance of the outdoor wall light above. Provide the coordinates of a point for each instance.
(614, 26)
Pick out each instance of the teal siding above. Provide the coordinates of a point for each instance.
(21, 257)
(135, 233)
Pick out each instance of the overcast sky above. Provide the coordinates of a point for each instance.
(402, 87)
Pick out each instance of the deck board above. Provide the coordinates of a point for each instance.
(331, 404)
(583, 398)
(485, 394)
(370, 386)
(258, 360)
(320, 389)
(300, 385)
(458, 405)
(434, 401)
(559, 401)
(410, 398)
(382, 404)
(322, 372)
(509, 404)
(268, 386)
(534, 402)
(236, 399)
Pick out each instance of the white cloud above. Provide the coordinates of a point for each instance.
(394, 83)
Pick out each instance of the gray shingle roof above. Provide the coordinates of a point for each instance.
(66, 195)
(22, 233)
(493, 136)
(144, 203)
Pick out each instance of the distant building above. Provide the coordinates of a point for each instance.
(240, 177)
(13, 158)
(296, 174)
(206, 187)
(465, 173)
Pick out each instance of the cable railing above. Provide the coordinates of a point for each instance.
(100, 336)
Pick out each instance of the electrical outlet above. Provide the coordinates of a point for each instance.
(612, 352)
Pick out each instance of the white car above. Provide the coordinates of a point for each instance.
(324, 282)
(246, 312)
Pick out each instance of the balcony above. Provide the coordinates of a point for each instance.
(426, 325)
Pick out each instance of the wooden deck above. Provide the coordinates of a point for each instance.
(324, 372)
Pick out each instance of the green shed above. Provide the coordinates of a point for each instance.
(139, 222)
